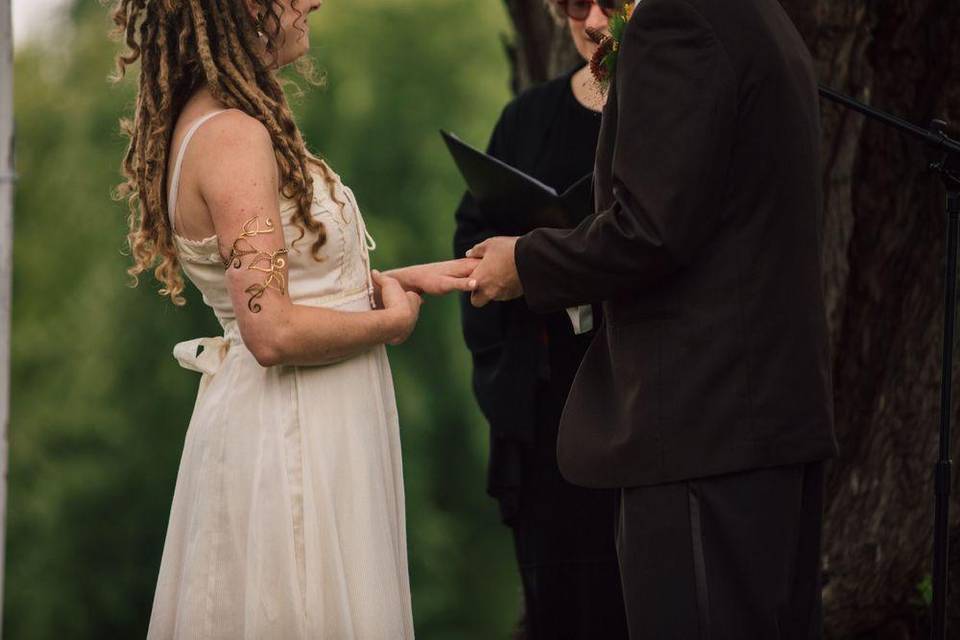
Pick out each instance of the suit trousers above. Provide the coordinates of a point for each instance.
(729, 557)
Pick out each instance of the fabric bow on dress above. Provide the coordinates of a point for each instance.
(203, 355)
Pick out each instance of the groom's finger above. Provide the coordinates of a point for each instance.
(479, 298)
(463, 267)
(478, 250)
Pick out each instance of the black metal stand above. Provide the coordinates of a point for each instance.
(941, 529)
(946, 163)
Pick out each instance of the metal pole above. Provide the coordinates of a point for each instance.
(947, 164)
(941, 532)
(6, 259)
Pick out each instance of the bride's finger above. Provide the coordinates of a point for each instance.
(463, 267)
(382, 280)
(458, 284)
(415, 300)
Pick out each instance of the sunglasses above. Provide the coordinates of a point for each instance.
(579, 9)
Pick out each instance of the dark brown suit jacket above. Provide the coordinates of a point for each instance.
(706, 254)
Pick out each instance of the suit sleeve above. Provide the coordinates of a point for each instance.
(676, 103)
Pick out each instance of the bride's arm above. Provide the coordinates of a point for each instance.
(312, 335)
(240, 186)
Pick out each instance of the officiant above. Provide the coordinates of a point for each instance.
(524, 365)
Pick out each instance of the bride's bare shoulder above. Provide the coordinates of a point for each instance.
(233, 131)
(238, 161)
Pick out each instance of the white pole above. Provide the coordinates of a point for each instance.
(6, 259)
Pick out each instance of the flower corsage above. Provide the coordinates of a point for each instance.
(603, 64)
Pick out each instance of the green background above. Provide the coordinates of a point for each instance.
(99, 406)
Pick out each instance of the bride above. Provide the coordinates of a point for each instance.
(288, 512)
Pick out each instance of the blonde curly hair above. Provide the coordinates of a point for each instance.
(183, 45)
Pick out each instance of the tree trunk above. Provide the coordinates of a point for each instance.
(542, 47)
(884, 283)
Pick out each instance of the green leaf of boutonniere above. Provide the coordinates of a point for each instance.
(603, 64)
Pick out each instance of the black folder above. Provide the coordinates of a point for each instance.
(515, 202)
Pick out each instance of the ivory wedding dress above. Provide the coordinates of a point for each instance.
(288, 514)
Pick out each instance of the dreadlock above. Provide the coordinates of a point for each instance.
(182, 46)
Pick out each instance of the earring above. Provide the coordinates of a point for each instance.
(260, 21)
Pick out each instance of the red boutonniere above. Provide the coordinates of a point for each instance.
(603, 64)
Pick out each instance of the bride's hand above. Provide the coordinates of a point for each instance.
(402, 306)
(436, 278)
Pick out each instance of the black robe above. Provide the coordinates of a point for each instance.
(524, 365)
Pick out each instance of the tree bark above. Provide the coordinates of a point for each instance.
(883, 262)
(884, 280)
(541, 48)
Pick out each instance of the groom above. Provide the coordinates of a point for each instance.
(706, 396)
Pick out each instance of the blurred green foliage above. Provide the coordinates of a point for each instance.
(99, 406)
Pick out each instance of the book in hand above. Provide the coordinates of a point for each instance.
(514, 202)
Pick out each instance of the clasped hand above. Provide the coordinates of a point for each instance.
(496, 277)
(489, 272)
(400, 291)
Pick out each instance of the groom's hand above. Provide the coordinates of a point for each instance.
(496, 277)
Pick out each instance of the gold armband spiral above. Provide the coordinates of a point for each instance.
(271, 264)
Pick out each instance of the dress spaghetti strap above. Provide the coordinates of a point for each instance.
(175, 180)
